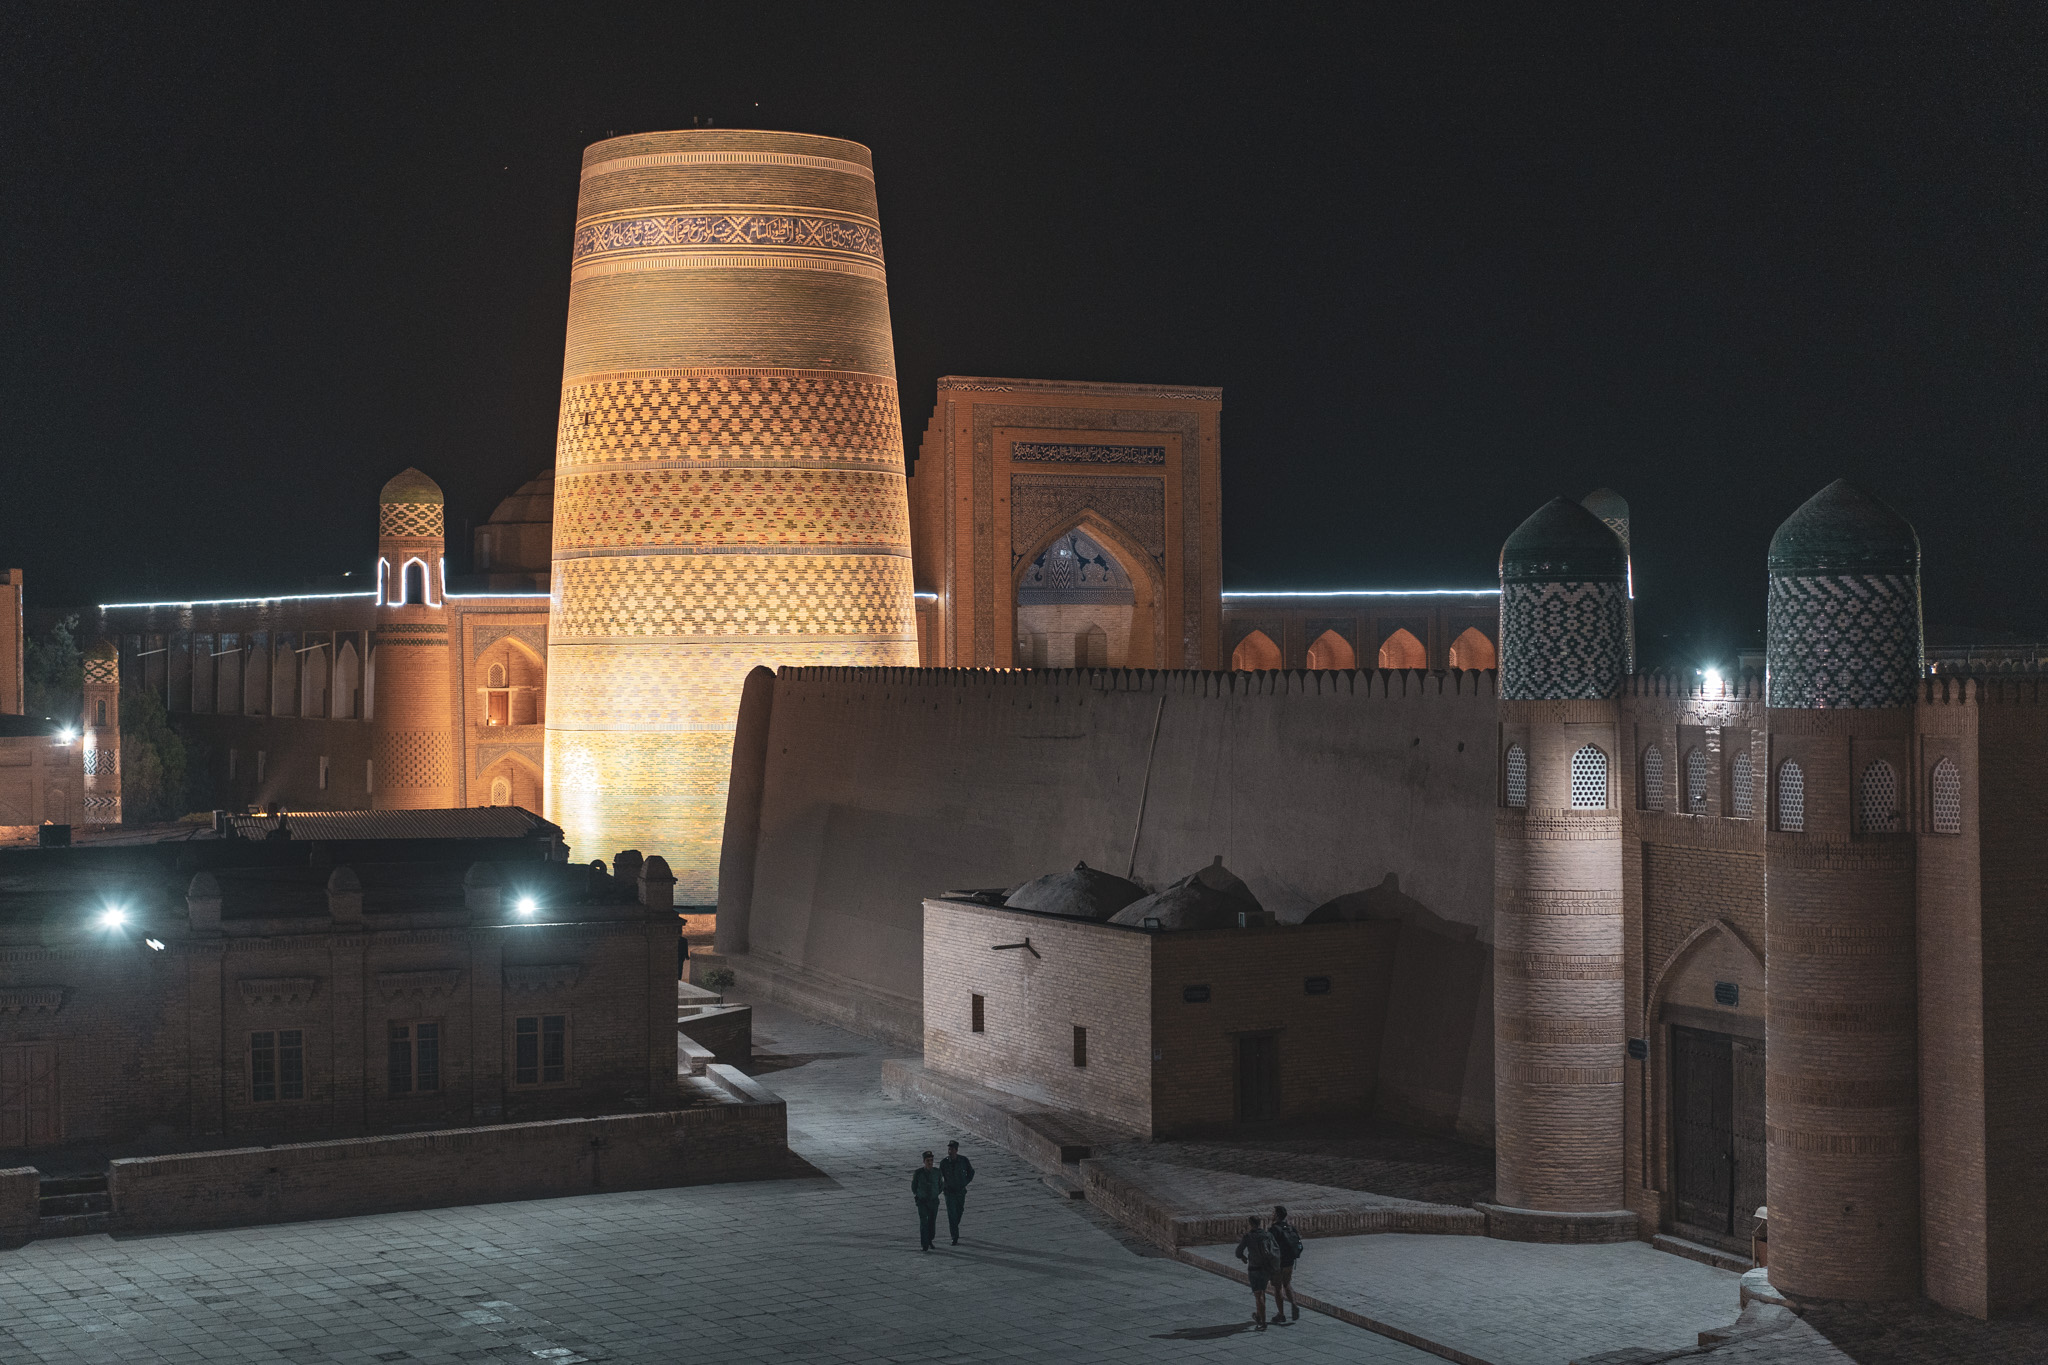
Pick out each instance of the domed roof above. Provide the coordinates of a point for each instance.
(533, 500)
(1842, 528)
(1209, 899)
(102, 648)
(1606, 504)
(411, 486)
(1084, 893)
(1562, 542)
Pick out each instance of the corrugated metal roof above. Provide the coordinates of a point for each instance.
(461, 822)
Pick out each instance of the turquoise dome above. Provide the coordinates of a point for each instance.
(1842, 529)
(1562, 542)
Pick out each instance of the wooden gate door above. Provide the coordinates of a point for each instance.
(28, 1095)
(1258, 1076)
(1703, 1129)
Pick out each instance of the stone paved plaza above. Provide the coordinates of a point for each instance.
(825, 1267)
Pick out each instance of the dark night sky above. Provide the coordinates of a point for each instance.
(1443, 269)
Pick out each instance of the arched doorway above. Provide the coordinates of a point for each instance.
(1473, 650)
(1403, 650)
(1255, 653)
(1083, 601)
(1332, 651)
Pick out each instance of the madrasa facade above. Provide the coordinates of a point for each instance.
(1677, 954)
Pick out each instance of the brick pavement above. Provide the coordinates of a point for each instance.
(819, 1268)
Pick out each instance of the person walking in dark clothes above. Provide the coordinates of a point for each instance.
(956, 1173)
(1261, 1257)
(1288, 1239)
(683, 951)
(925, 1187)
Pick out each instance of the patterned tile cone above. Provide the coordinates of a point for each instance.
(729, 471)
(1841, 1046)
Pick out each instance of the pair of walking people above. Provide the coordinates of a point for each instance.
(1269, 1254)
(948, 1180)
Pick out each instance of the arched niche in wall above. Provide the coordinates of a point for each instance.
(1332, 651)
(509, 781)
(1473, 650)
(1087, 577)
(1255, 653)
(510, 681)
(1403, 650)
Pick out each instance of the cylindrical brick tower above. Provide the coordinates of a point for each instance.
(412, 764)
(729, 486)
(1840, 1044)
(1612, 508)
(1557, 993)
(100, 734)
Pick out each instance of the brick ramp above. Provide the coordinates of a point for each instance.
(1175, 1206)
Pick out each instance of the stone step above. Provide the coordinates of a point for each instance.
(1699, 1251)
(72, 1184)
(58, 1205)
(73, 1224)
(1064, 1185)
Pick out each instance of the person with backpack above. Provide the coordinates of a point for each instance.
(1261, 1257)
(1287, 1238)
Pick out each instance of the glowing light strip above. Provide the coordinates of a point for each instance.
(237, 601)
(1379, 592)
(495, 596)
(926, 596)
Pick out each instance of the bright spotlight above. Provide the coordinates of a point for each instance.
(526, 905)
(66, 735)
(113, 917)
(156, 944)
(1712, 679)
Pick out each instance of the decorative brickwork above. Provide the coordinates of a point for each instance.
(783, 231)
(414, 758)
(1562, 640)
(823, 419)
(1844, 640)
(1080, 452)
(665, 508)
(410, 521)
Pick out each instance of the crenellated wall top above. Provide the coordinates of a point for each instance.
(1470, 684)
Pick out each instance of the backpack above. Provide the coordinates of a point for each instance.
(1290, 1241)
(1262, 1253)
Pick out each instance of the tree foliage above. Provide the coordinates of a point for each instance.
(53, 673)
(154, 777)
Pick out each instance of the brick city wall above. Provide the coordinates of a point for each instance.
(20, 1206)
(40, 779)
(879, 787)
(433, 1170)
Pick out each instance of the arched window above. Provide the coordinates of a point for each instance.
(1695, 782)
(1791, 797)
(495, 676)
(1332, 651)
(347, 677)
(313, 681)
(1877, 799)
(99, 712)
(415, 584)
(1589, 779)
(1653, 778)
(1091, 648)
(1403, 650)
(1255, 653)
(1473, 650)
(1518, 777)
(1742, 779)
(1948, 798)
(501, 791)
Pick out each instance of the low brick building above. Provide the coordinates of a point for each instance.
(219, 993)
(1157, 1031)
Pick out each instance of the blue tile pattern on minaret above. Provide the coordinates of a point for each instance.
(1844, 626)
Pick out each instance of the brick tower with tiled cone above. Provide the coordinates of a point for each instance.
(413, 760)
(1841, 1049)
(1558, 991)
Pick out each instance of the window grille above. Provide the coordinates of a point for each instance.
(1948, 798)
(1080, 1046)
(1878, 798)
(415, 1058)
(1791, 797)
(1695, 782)
(978, 1016)
(1744, 782)
(1653, 778)
(1589, 779)
(1518, 777)
(497, 676)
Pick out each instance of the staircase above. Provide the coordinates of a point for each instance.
(72, 1205)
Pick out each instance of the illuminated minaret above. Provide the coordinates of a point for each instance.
(729, 474)
(413, 764)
